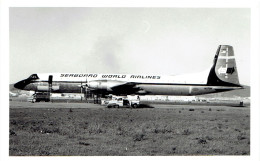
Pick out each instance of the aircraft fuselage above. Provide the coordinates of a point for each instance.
(144, 84)
(222, 76)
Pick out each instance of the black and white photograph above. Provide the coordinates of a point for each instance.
(130, 81)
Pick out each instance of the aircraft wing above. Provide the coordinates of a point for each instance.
(114, 87)
(126, 88)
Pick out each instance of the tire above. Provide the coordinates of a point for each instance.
(134, 105)
(116, 106)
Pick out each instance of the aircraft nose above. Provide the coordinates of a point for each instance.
(20, 84)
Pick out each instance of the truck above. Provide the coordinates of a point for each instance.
(39, 97)
(117, 102)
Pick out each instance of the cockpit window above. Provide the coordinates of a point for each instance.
(34, 76)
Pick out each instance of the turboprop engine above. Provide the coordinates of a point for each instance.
(104, 84)
(46, 88)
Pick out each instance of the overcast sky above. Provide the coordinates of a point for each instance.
(158, 41)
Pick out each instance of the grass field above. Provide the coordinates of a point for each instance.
(77, 129)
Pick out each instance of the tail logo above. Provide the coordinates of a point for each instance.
(225, 70)
(222, 70)
(231, 70)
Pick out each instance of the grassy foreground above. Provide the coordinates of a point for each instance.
(181, 130)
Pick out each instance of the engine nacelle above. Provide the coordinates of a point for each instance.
(46, 88)
(104, 84)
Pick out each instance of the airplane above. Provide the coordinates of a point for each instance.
(221, 77)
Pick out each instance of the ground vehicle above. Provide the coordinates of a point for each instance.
(39, 97)
(122, 102)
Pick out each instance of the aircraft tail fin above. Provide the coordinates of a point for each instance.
(224, 70)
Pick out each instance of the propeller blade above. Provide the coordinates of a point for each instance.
(50, 85)
(50, 79)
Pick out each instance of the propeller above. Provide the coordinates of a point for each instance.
(81, 87)
(85, 88)
(88, 91)
(50, 85)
